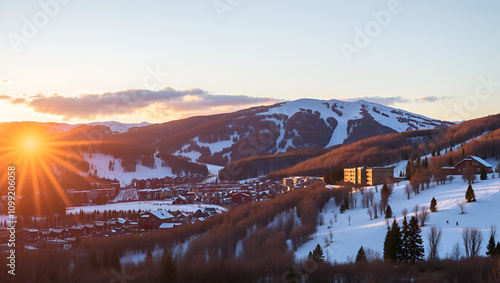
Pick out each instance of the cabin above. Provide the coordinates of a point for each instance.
(474, 162)
(241, 198)
(180, 200)
(151, 220)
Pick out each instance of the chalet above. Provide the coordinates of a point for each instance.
(58, 233)
(241, 198)
(150, 220)
(474, 162)
(180, 200)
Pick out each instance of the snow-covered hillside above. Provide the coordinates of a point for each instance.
(115, 127)
(370, 234)
(307, 123)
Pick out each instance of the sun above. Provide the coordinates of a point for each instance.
(30, 144)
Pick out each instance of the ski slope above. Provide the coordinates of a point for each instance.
(370, 234)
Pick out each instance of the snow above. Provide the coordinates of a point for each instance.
(115, 127)
(144, 206)
(101, 161)
(370, 234)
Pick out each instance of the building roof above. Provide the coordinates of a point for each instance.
(168, 225)
(161, 214)
(478, 159)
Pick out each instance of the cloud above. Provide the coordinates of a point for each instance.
(89, 106)
(17, 100)
(432, 98)
(382, 100)
(399, 99)
(5, 97)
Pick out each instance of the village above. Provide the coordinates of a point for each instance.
(96, 214)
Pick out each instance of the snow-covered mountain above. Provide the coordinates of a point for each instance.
(303, 123)
(115, 127)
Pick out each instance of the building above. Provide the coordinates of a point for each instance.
(153, 219)
(370, 176)
(474, 162)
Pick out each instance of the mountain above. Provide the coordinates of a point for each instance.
(303, 129)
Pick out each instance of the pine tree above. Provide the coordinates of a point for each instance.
(433, 207)
(392, 243)
(388, 212)
(361, 256)
(415, 243)
(317, 254)
(405, 232)
(484, 176)
(491, 248)
(342, 208)
(168, 268)
(450, 162)
(408, 170)
(469, 194)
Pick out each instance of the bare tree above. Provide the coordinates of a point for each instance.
(434, 237)
(415, 209)
(327, 243)
(335, 215)
(423, 216)
(349, 219)
(331, 222)
(330, 234)
(372, 255)
(404, 212)
(381, 206)
(461, 204)
(375, 210)
(363, 200)
(469, 175)
(321, 220)
(450, 178)
(408, 190)
(371, 195)
(370, 212)
(473, 239)
(456, 252)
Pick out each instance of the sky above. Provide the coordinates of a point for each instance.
(131, 61)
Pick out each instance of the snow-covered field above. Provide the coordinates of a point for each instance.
(143, 205)
(370, 234)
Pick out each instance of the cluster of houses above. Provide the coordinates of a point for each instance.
(297, 182)
(66, 237)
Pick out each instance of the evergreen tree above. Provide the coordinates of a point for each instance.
(491, 248)
(484, 176)
(450, 162)
(168, 268)
(405, 249)
(408, 170)
(317, 254)
(388, 212)
(469, 194)
(415, 243)
(433, 207)
(392, 243)
(342, 208)
(361, 256)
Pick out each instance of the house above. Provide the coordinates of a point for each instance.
(180, 200)
(151, 220)
(241, 198)
(474, 162)
(370, 176)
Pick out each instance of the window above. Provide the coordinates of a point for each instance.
(478, 169)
